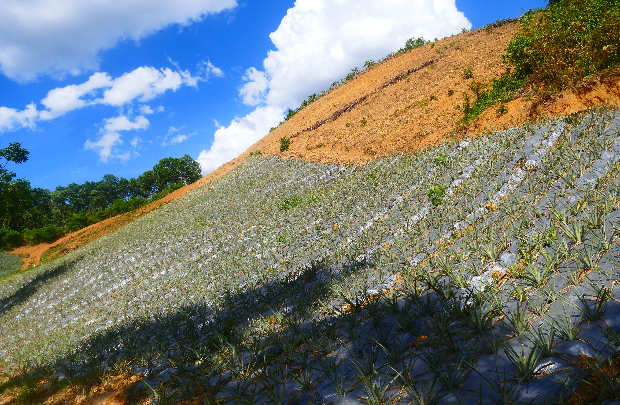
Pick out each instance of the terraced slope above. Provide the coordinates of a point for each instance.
(401, 105)
(483, 270)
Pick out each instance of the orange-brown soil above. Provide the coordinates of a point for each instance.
(404, 104)
(112, 389)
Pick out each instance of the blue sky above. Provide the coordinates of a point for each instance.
(91, 89)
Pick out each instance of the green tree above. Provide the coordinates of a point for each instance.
(15, 199)
(13, 153)
(171, 171)
(14, 194)
(39, 211)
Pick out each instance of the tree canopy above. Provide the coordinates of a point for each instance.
(77, 205)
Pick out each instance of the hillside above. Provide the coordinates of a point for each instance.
(407, 102)
(450, 268)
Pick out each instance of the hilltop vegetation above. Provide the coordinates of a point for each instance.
(476, 268)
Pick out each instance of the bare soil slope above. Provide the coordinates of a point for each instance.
(406, 103)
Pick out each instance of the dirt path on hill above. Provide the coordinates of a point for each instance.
(406, 103)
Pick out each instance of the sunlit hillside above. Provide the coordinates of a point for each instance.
(383, 245)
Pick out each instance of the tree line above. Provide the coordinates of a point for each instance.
(35, 215)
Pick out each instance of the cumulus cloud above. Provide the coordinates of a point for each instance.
(318, 42)
(61, 100)
(230, 141)
(253, 91)
(146, 110)
(110, 138)
(12, 119)
(143, 83)
(66, 36)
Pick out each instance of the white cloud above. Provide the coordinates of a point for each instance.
(12, 119)
(319, 41)
(143, 83)
(178, 139)
(64, 99)
(230, 141)
(253, 91)
(111, 137)
(173, 136)
(146, 110)
(66, 36)
(136, 142)
(208, 69)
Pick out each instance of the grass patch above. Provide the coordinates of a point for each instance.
(9, 263)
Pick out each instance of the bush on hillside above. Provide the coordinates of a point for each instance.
(10, 239)
(40, 235)
(285, 143)
(171, 188)
(77, 221)
(570, 41)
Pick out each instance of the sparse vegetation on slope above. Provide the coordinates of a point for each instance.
(287, 281)
(9, 263)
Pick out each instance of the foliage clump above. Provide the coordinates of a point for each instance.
(436, 194)
(285, 143)
(570, 41)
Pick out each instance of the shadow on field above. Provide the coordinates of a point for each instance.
(188, 344)
(30, 288)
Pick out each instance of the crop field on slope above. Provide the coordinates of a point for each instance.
(481, 271)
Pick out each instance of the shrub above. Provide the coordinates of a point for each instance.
(77, 221)
(40, 235)
(10, 239)
(501, 91)
(413, 43)
(122, 206)
(568, 42)
(441, 160)
(436, 193)
(165, 192)
(284, 143)
(290, 203)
